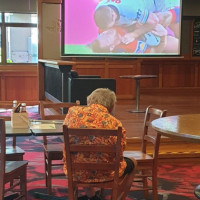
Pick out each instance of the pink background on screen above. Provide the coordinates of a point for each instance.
(80, 27)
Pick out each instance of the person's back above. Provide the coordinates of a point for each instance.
(94, 116)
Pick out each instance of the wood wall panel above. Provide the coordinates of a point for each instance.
(176, 75)
(19, 83)
(25, 89)
(150, 69)
(90, 70)
(172, 73)
(125, 88)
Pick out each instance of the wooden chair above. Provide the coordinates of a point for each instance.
(120, 186)
(13, 152)
(147, 162)
(53, 153)
(11, 171)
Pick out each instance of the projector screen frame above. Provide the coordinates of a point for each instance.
(116, 55)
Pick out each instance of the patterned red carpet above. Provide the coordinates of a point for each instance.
(175, 182)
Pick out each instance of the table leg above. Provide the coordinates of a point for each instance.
(137, 98)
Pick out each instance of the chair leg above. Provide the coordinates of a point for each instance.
(49, 185)
(114, 194)
(72, 191)
(155, 185)
(23, 180)
(45, 169)
(128, 185)
(145, 185)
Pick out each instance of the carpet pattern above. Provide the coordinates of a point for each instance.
(175, 182)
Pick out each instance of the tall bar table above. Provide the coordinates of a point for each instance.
(137, 78)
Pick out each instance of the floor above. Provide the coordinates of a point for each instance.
(175, 104)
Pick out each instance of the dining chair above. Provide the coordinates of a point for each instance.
(13, 152)
(120, 185)
(11, 171)
(53, 152)
(147, 157)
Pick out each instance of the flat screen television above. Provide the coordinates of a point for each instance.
(121, 28)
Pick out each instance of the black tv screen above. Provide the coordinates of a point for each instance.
(130, 28)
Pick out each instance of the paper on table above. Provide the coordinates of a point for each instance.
(3, 110)
(42, 126)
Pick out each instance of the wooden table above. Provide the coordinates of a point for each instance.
(137, 78)
(186, 127)
(49, 132)
(10, 132)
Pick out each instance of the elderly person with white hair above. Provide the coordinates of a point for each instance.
(97, 114)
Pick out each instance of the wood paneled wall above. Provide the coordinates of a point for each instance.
(173, 74)
(19, 82)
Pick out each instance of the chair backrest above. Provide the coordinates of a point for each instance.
(151, 114)
(6, 106)
(71, 149)
(2, 156)
(54, 111)
(57, 111)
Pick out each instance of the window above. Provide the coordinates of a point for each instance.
(19, 38)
